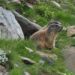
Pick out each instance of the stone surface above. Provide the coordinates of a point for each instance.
(29, 49)
(49, 57)
(27, 73)
(3, 70)
(3, 57)
(27, 61)
(27, 26)
(71, 31)
(56, 4)
(69, 56)
(9, 27)
(17, 1)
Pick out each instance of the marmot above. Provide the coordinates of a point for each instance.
(45, 37)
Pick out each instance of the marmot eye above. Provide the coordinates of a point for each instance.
(57, 25)
(54, 26)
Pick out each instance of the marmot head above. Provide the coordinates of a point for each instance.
(54, 26)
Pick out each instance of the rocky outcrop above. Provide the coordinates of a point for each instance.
(9, 27)
(71, 31)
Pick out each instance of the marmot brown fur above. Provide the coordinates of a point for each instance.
(45, 37)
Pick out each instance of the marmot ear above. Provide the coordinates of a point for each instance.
(50, 22)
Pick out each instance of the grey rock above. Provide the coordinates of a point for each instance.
(27, 26)
(69, 56)
(50, 58)
(3, 70)
(9, 27)
(26, 73)
(56, 4)
(27, 61)
(71, 31)
(29, 49)
(3, 57)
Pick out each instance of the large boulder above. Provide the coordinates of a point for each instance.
(15, 26)
(27, 26)
(69, 57)
(9, 27)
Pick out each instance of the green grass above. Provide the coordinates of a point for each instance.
(42, 13)
(17, 48)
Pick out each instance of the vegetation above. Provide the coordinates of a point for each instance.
(41, 13)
